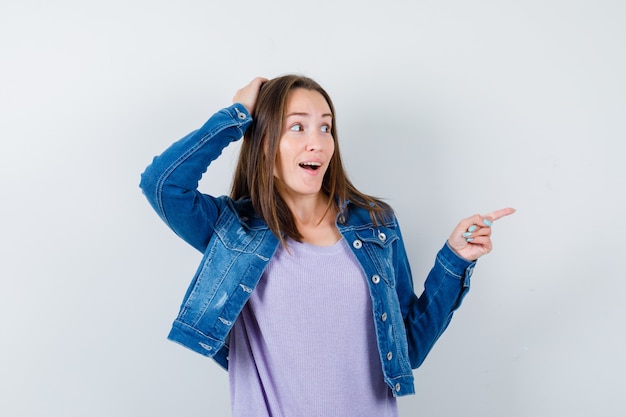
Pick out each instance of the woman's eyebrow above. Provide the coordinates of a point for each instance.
(307, 114)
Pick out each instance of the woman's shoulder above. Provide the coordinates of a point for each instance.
(375, 214)
(244, 210)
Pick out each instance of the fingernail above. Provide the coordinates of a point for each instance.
(472, 228)
(469, 239)
(467, 234)
(488, 222)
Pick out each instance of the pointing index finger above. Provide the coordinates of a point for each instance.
(495, 215)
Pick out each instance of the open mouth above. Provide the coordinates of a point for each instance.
(314, 166)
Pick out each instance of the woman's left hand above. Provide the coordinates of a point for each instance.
(471, 238)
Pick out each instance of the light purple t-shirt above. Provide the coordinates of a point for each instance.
(304, 345)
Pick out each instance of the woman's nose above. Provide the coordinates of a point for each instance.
(314, 141)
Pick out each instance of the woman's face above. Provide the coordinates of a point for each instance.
(306, 145)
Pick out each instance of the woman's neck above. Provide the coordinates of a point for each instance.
(315, 220)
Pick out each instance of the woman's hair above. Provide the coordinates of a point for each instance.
(254, 175)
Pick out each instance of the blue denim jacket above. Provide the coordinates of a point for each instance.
(238, 245)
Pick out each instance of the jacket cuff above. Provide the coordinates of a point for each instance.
(239, 112)
(456, 265)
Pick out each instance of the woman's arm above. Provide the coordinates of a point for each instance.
(426, 317)
(170, 183)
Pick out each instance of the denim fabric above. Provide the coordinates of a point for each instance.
(238, 245)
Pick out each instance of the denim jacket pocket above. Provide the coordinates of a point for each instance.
(378, 243)
(235, 237)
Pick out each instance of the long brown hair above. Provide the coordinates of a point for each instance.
(254, 175)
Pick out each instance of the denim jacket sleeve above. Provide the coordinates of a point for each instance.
(170, 183)
(427, 316)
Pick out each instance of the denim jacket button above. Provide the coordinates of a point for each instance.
(240, 114)
(375, 279)
(389, 356)
(357, 244)
(382, 236)
(397, 387)
(383, 317)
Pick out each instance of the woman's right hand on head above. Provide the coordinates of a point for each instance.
(247, 95)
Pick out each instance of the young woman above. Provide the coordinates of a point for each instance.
(304, 292)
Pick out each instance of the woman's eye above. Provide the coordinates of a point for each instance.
(326, 129)
(296, 128)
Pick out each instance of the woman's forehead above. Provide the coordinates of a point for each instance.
(306, 102)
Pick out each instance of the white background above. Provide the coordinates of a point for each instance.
(445, 108)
